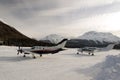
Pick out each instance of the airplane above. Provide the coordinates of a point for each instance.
(43, 49)
(91, 50)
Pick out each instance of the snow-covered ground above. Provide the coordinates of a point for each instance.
(107, 70)
(66, 65)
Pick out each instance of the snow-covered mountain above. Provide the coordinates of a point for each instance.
(100, 36)
(54, 38)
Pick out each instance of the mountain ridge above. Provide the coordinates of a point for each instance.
(10, 36)
(83, 42)
(54, 38)
(7, 32)
(100, 36)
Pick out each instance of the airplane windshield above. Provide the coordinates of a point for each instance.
(33, 47)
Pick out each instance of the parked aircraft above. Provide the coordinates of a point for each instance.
(43, 49)
(91, 50)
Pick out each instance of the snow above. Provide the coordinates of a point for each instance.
(65, 65)
(106, 70)
(110, 69)
(100, 36)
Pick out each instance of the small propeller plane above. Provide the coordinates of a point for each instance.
(43, 49)
(91, 50)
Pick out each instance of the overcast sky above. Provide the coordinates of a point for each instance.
(39, 18)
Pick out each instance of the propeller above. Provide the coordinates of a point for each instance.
(19, 50)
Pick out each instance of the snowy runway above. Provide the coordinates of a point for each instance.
(66, 65)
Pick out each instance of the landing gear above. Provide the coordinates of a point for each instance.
(92, 54)
(24, 55)
(77, 52)
(18, 53)
(89, 53)
(40, 55)
(33, 56)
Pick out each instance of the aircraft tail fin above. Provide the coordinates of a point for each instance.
(109, 47)
(62, 43)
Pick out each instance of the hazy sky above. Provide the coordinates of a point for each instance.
(38, 18)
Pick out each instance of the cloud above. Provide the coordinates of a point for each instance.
(8, 1)
(63, 9)
(35, 16)
(65, 16)
(27, 8)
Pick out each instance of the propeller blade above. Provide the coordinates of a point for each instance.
(19, 50)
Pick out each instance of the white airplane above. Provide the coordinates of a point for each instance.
(43, 49)
(91, 50)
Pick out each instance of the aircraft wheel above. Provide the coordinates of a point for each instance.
(40, 55)
(92, 54)
(77, 52)
(34, 57)
(89, 53)
(24, 55)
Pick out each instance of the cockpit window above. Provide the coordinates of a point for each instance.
(33, 47)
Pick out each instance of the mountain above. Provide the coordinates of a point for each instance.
(94, 39)
(91, 39)
(53, 38)
(100, 36)
(8, 32)
(11, 36)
